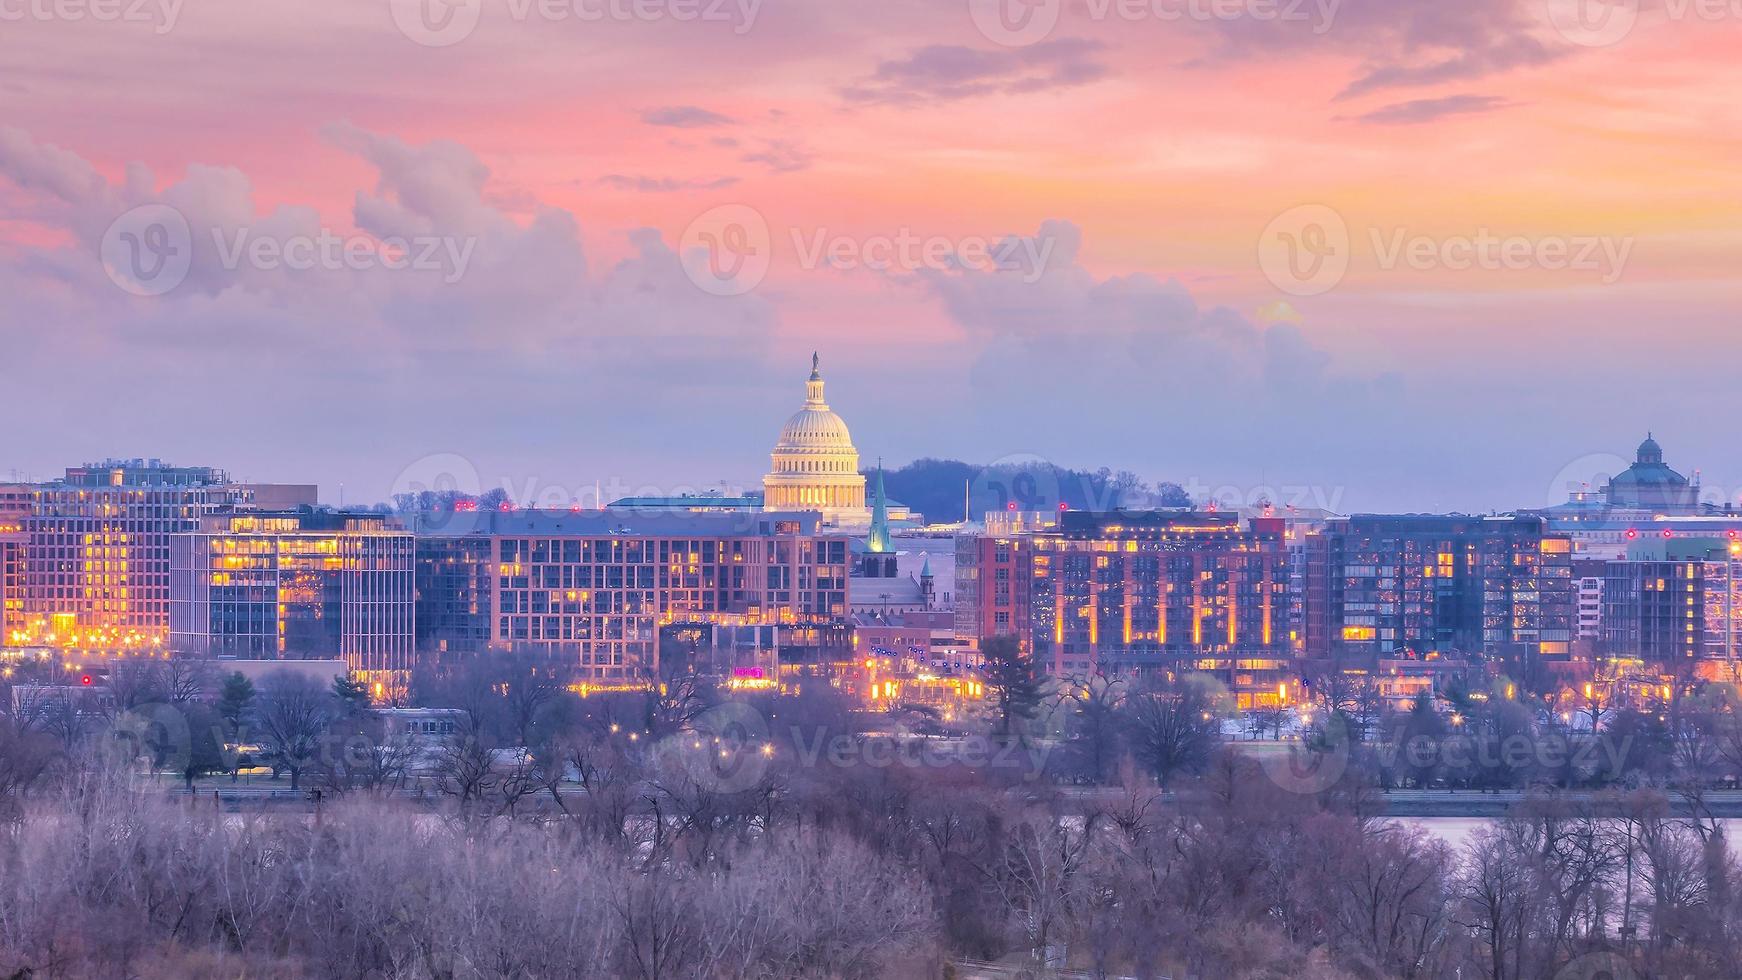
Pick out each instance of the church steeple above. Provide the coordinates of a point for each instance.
(879, 542)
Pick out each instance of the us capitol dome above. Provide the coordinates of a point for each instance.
(816, 466)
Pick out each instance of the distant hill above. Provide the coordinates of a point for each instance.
(934, 488)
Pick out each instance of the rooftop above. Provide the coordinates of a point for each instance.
(612, 522)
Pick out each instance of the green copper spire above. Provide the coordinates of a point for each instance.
(879, 541)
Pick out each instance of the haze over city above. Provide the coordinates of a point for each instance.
(1148, 155)
(922, 489)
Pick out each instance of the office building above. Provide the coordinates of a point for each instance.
(1432, 585)
(597, 589)
(1674, 599)
(306, 585)
(96, 551)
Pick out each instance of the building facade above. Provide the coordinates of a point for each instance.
(1127, 592)
(15, 507)
(96, 552)
(596, 589)
(992, 587)
(297, 586)
(1674, 599)
(1135, 592)
(1378, 585)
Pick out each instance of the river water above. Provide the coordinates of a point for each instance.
(1457, 831)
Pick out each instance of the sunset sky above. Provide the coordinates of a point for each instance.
(579, 155)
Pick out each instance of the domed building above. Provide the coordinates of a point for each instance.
(816, 466)
(1651, 485)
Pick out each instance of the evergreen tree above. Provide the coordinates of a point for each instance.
(353, 696)
(235, 701)
(1013, 681)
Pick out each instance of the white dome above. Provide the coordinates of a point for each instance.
(815, 428)
(816, 467)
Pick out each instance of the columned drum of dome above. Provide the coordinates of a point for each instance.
(816, 467)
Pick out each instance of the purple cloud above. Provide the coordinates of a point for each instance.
(1403, 43)
(1428, 110)
(685, 117)
(945, 72)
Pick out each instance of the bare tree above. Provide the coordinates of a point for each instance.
(292, 714)
(1172, 728)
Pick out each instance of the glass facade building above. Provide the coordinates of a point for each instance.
(1674, 599)
(302, 586)
(596, 588)
(1384, 584)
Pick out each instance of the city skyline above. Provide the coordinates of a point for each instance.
(1496, 323)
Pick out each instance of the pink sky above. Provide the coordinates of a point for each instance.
(1147, 156)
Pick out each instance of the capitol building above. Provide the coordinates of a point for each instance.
(816, 466)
